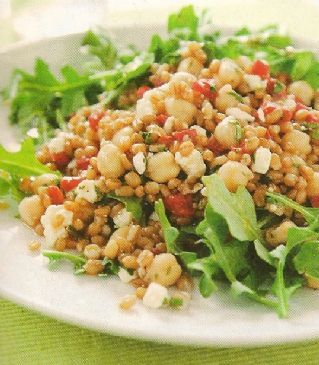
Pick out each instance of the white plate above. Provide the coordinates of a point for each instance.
(93, 302)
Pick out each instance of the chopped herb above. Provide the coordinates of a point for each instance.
(237, 96)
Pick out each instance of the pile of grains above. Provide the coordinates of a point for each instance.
(193, 119)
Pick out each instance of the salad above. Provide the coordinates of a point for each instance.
(197, 158)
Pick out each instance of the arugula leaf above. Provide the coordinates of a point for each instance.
(100, 46)
(110, 266)
(239, 289)
(306, 261)
(238, 208)
(214, 242)
(165, 51)
(312, 76)
(9, 187)
(170, 233)
(184, 23)
(132, 204)
(310, 214)
(24, 162)
(209, 267)
(302, 64)
(55, 256)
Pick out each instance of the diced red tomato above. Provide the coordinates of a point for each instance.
(311, 118)
(179, 136)
(214, 145)
(242, 147)
(161, 119)
(269, 108)
(55, 194)
(69, 183)
(315, 201)
(61, 159)
(300, 106)
(141, 90)
(260, 68)
(271, 88)
(203, 87)
(286, 116)
(95, 118)
(167, 140)
(268, 134)
(83, 163)
(271, 85)
(180, 205)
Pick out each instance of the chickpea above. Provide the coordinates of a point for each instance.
(92, 251)
(123, 134)
(278, 235)
(225, 100)
(313, 185)
(190, 65)
(31, 209)
(162, 167)
(181, 109)
(299, 140)
(183, 76)
(229, 73)
(302, 90)
(164, 270)
(44, 180)
(235, 174)
(225, 132)
(109, 161)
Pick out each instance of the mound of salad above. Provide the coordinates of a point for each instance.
(196, 158)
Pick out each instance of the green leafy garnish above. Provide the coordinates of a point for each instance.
(102, 47)
(310, 214)
(184, 23)
(170, 233)
(238, 208)
(24, 162)
(132, 204)
(55, 257)
(237, 96)
(16, 165)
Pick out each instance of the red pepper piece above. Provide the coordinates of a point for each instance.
(180, 205)
(55, 194)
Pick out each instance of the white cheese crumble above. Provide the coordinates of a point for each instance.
(125, 276)
(144, 107)
(199, 130)
(155, 295)
(33, 133)
(87, 190)
(57, 144)
(290, 104)
(239, 114)
(255, 82)
(52, 230)
(139, 163)
(193, 164)
(123, 218)
(262, 160)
